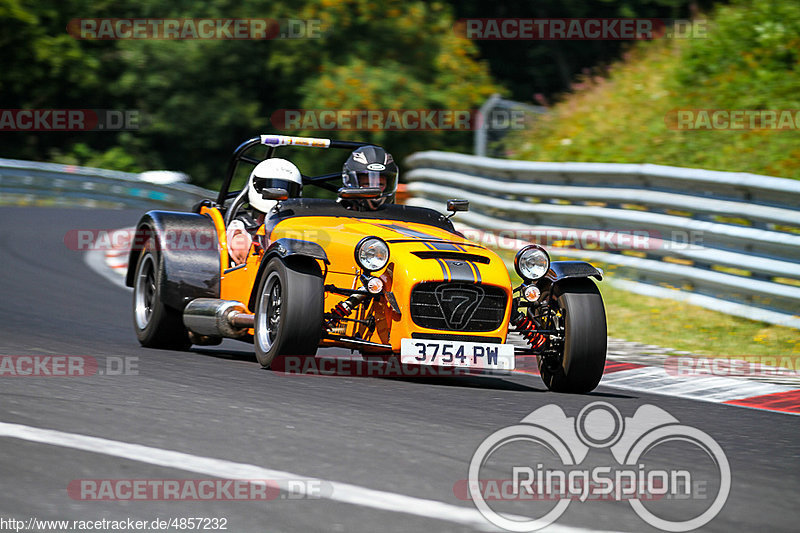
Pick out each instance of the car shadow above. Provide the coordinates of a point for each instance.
(497, 383)
(231, 355)
(354, 366)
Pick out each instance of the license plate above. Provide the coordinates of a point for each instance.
(457, 353)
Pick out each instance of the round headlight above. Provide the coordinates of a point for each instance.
(372, 253)
(532, 262)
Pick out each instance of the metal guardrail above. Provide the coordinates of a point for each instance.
(743, 257)
(29, 182)
(746, 261)
(486, 136)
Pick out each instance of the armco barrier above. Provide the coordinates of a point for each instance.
(52, 184)
(744, 258)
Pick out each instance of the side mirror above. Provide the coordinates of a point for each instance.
(275, 194)
(457, 205)
(363, 193)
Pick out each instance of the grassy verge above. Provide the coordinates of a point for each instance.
(687, 327)
(747, 61)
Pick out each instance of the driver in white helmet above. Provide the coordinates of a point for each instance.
(272, 173)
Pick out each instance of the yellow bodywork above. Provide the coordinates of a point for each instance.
(338, 236)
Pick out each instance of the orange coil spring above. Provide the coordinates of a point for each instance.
(338, 312)
(527, 329)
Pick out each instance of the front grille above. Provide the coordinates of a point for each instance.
(452, 306)
(455, 256)
(456, 337)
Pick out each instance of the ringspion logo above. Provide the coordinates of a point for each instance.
(551, 457)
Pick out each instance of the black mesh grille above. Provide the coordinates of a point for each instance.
(450, 306)
(456, 337)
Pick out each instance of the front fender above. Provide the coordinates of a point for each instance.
(286, 248)
(188, 255)
(572, 269)
(561, 270)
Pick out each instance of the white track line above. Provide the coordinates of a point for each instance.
(340, 492)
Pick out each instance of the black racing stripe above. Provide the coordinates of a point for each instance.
(460, 271)
(408, 232)
(428, 245)
(477, 271)
(445, 273)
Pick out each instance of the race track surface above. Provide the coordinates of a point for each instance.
(412, 438)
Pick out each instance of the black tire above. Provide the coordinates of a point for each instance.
(289, 307)
(585, 339)
(156, 325)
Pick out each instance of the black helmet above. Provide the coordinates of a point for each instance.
(371, 166)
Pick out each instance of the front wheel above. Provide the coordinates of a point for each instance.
(289, 310)
(156, 325)
(581, 317)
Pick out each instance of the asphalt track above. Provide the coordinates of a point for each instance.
(402, 438)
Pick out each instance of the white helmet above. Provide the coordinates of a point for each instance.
(273, 173)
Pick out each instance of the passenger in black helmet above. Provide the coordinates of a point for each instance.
(369, 167)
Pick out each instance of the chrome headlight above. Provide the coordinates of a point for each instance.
(532, 262)
(372, 253)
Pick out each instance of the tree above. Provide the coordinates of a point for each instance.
(199, 99)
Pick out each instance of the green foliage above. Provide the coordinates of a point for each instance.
(199, 99)
(115, 158)
(748, 61)
(538, 70)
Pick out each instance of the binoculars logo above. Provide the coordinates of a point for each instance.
(565, 442)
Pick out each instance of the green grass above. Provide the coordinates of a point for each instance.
(695, 329)
(749, 60)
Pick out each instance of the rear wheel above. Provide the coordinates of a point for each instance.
(156, 325)
(288, 310)
(581, 317)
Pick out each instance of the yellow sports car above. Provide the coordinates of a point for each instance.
(358, 271)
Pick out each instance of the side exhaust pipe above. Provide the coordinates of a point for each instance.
(217, 318)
